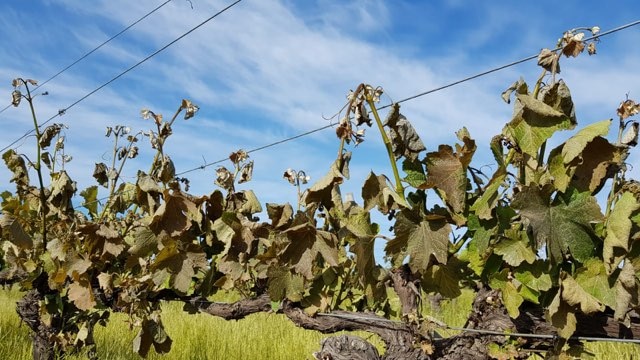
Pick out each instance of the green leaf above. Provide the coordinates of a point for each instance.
(561, 173)
(90, 196)
(575, 295)
(593, 278)
(515, 248)
(564, 224)
(443, 279)
(415, 173)
(576, 144)
(616, 244)
(489, 198)
(144, 242)
(534, 278)
(282, 284)
(512, 300)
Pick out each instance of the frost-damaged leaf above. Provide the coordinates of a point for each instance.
(181, 264)
(17, 166)
(175, 215)
(246, 173)
(48, 134)
(628, 108)
(446, 171)
(280, 215)
(285, 285)
(376, 192)
(404, 138)
(600, 160)
(564, 225)
(305, 244)
(100, 174)
(363, 233)
(558, 97)
(145, 242)
(320, 192)
(548, 60)
(190, 109)
(593, 278)
(616, 244)
(533, 123)
(12, 230)
(251, 204)
(421, 238)
(62, 190)
(80, 293)
(515, 248)
(627, 293)
(520, 87)
(562, 316)
(152, 333)
(578, 142)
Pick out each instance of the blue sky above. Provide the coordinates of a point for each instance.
(266, 70)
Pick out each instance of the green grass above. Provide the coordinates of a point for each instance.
(260, 336)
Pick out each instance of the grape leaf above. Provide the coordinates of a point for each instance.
(577, 143)
(564, 224)
(533, 123)
(419, 238)
(404, 138)
(305, 244)
(616, 244)
(515, 248)
(80, 293)
(283, 284)
(593, 278)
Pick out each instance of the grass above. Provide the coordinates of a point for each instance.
(259, 336)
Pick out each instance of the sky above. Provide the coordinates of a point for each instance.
(267, 70)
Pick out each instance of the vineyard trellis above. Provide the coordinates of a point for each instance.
(152, 241)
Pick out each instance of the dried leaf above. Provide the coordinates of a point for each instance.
(100, 174)
(190, 109)
(48, 134)
(618, 225)
(548, 60)
(404, 138)
(80, 293)
(627, 109)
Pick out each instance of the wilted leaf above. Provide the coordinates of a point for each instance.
(534, 122)
(190, 109)
(558, 96)
(175, 215)
(12, 230)
(404, 138)
(562, 316)
(564, 224)
(627, 293)
(280, 215)
(376, 192)
(48, 134)
(246, 173)
(321, 191)
(80, 293)
(17, 166)
(578, 142)
(616, 244)
(62, 191)
(628, 108)
(520, 87)
(600, 160)
(100, 174)
(548, 60)
(305, 244)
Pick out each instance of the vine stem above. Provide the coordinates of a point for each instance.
(38, 165)
(387, 144)
(612, 192)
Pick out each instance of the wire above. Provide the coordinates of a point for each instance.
(95, 49)
(63, 111)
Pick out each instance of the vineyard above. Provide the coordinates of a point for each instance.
(549, 264)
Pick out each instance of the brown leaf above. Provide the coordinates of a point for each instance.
(100, 174)
(80, 293)
(548, 60)
(573, 44)
(174, 216)
(628, 108)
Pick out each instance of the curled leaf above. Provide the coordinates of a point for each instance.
(16, 96)
(100, 174)
(246, 173)
(238, 156)
(190, 109)
(224, 178)
(548, 60)
(627, 109)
